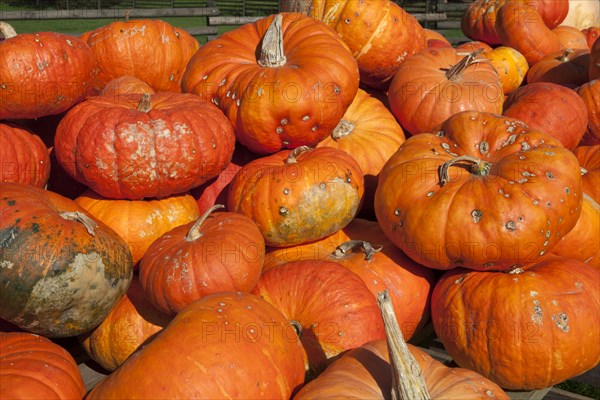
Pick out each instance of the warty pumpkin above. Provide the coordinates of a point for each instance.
(300, 195)
(33, 367)
(226, 345)
(24, 158)
(62, 271)
(43, 73)
(529, 328)
(144, 146)
(510, 65)
(485, 192)
(153, 51)
(283, 81)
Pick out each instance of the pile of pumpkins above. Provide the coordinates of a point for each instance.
(274, 213)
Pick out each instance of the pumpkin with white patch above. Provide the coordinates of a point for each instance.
(144, 146)
(485, 192)
(62, 271)
(526, 329)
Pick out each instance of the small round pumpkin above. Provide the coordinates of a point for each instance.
(550, 108)
(140, 222)
(217, 253)
(567, 67)
(153, 51)
(300, 195)
(525, 329)
(434, 84)
(43, 73)
(62, 270)
(485, 192)
(590, 94)
(132, 323)
(510, 65)
(24, 158)
(283, 81)
(469, 47)
(33, 367)
(144, 146)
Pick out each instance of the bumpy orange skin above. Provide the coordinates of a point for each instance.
(370, 134)
(133, 322)
(24, 158)
(44, 73)
(582, 242)
(227, 255)
(529, 198)
(140, 222)
(380, 35)
(60, 277)
(296, 202)
(227, 345)
(562, 68)
(272, 108)
(365, 373)
(526, 330)
(510, 65)
(550, 108)
(422, 97)
(590, 94)
(153, 51)
(123, 153)
(334, 307)
(33, 367)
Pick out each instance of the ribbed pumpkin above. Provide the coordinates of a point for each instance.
(485, 192)
(434, 84)
(527, 329)
(24, 158)
(141, 222)
(571, 38)
(330, 306)
(582, 242)
(510, 65)
(300, 195)
(62, 271)
(144, 146)
(283, 81)
(479, 21)
(221, 252)
(370, 134)
(385, 369)
(132, 323)
(43, 73)
(153, 51)
(550, 108)
(379, 33)
(33, 367)
(590, 94)
(227, 345)
(566, 67)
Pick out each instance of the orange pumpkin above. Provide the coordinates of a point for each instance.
(510, 65)
(469, 47)
(595, 61)
(479, 21)
(434, 36)
(24, 158)
(590, 94)
(126, 85)
(140, 222)
(591, 34)
(132, 323)
(569, 68)
(33, 367)
(285, 94)
(525, 329)
(571, 38)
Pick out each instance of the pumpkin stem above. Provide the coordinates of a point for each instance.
(297, 327)
(407, 378)
(565, 56)
(455, 72)
(344, 128)
(292, 158)
(271, 52)
(7, 30)
(583, 171)
(194, 232)
(478, 167)
(352, 245)
(90, 224)
(144, 104)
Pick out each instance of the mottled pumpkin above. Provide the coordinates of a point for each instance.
(300, 195)
(24, 158)
(485, 192)
(526, 329)
(33, 367)
(62, 270)
(510, 65)
(144, 146)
